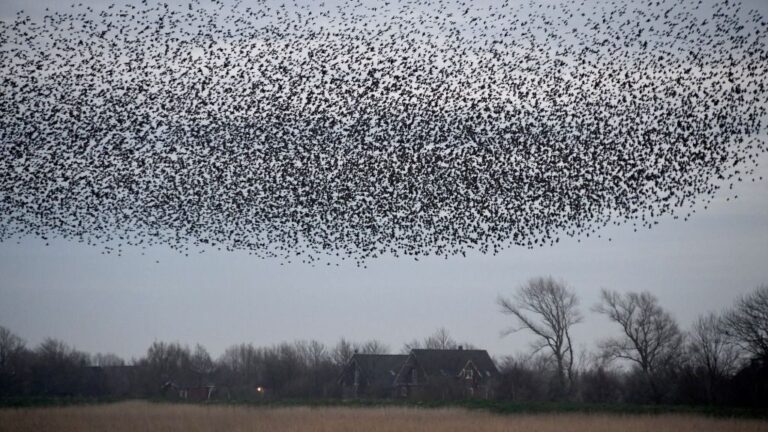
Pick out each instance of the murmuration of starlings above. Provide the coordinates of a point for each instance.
(350, 130)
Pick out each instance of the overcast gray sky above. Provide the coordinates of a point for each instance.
(106, 303)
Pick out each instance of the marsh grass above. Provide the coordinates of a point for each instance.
(153, 417)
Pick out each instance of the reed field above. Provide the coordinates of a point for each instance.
(154, 417)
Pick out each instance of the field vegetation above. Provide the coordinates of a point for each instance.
(151, 417)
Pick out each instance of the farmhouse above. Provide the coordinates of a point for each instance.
(370, 375)
(421, 374)
(447, 374)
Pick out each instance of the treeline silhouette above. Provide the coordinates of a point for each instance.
(721, 360)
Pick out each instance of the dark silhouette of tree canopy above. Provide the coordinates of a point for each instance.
(10, 345)
(713, 352)
(12, 350)
(201, 364)
(712, 348)
(747, 322)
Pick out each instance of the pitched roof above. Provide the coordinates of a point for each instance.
(378, 369)
(451, 362)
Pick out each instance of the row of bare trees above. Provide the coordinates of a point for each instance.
(650, 344)
(299, 369)
(721, 358)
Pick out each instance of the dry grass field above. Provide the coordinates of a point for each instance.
(143, 416)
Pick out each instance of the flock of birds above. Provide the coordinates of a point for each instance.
(357, 129)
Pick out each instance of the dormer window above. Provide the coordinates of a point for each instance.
(468, 373)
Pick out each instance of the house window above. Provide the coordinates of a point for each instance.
(414, 376)
(357, 377)
(468, 373)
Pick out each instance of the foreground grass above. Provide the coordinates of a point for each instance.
(149, 417)
(510, 407)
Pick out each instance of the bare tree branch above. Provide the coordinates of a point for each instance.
(548, 309)
(747, 323)
(651, 336)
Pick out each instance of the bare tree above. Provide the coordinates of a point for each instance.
(747, 322)
(10, 346)
(106, 359)
(712, 351)
(201, 364)
(318, 363)
(313, 353)
(58, 368)
(165, 363)
(342, 352)
(711, 348)
(412, 345)
(168, 357)
(372, 346)
(440, 340)
(651, 337)
(12, 356)
(241, 368)
(241, 360)
(547, 308)
(54, 351)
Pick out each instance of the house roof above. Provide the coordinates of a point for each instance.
(378, 369)
(451, 362)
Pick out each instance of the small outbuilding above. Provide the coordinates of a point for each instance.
(192, 393)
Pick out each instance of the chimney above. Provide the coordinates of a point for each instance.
(461, 347)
